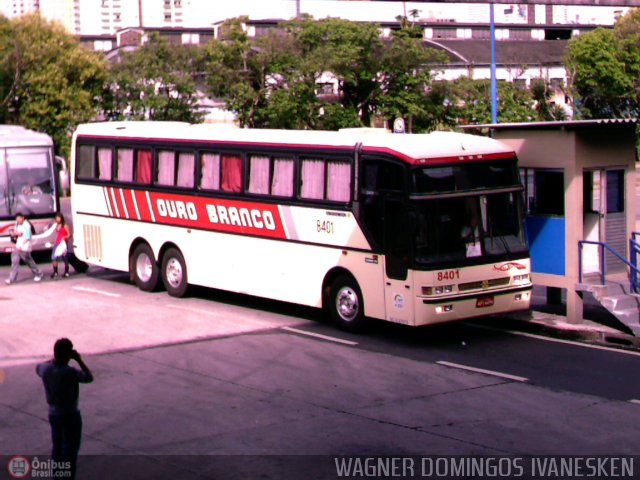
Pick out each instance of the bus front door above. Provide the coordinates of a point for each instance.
(397, 245)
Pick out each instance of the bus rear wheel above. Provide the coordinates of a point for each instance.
(143, 268)
(174, 273)
(345, 304)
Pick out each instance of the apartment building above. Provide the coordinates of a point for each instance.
(15, 8)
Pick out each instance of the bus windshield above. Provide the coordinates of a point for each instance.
(472, 228)
(468, 213)
(26, 182)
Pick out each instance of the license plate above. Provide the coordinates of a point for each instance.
(484, 301)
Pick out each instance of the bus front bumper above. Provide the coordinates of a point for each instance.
(439, 310)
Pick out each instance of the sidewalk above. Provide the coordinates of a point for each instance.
(598, 326)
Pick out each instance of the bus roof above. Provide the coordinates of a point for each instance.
(17, 136)
(413, 148)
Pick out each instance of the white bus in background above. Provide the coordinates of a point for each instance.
(30, 180)
(412, 229)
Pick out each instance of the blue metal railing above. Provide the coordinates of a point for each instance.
(634, 250)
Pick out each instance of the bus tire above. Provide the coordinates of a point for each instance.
(144, 268)
(174, 273)
(345, 304)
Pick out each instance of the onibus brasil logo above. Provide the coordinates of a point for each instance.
(21, 467)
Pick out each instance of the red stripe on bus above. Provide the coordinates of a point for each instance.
(224, 215)
(109, 198)
(128, 200)
(105, 194)
(115, 198)
(233, 216)
(143, 206)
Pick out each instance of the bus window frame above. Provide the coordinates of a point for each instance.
(199, 148)
(320, 155)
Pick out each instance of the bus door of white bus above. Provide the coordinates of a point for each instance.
(398, 281)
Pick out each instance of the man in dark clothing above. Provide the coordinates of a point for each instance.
(61, 385)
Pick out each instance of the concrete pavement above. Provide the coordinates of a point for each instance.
(245, 406)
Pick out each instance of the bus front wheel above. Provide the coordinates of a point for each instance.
(174, 273)
(345, 304)
(143, 268)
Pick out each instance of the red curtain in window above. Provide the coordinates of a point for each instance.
(231, 174)
(143, 167)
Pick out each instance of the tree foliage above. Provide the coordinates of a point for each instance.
(604, 70)
(157, 81)
(466, 101)
(273, 80)
(406, 76)
(48, 82)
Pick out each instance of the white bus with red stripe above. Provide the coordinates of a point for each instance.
(29, 184)
(413, 229)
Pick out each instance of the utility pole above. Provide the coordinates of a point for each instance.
(494, 94)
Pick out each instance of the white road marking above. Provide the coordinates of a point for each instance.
(99, 292)
(323, 337)
(635, 401)
(555, 340)
(481, 370)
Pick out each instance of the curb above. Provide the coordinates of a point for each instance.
(555, 326)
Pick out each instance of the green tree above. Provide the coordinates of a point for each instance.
(272, 81)
(405, 76)
(465, 101)
(546, 110)
(604, 70)
(157, 81)
(48, 81)
(350, 53)
(239, 74)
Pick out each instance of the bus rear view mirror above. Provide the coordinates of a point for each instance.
(63, 173)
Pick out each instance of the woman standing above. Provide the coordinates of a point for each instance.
(60, 247)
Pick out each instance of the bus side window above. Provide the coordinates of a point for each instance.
(339, 181)
(105, 161)
(125, 165)
(186, 169)
(210, 171)
(282, 183)
(379, 179)
(166, 168)
(143, 166)
(86, 161)
(231, 173)
(312, 179)
(259, 172)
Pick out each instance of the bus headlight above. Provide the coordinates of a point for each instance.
(521, 279)
(444, 308)
(439, 290)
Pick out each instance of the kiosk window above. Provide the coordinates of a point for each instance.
(615, 191)
(544, 191)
